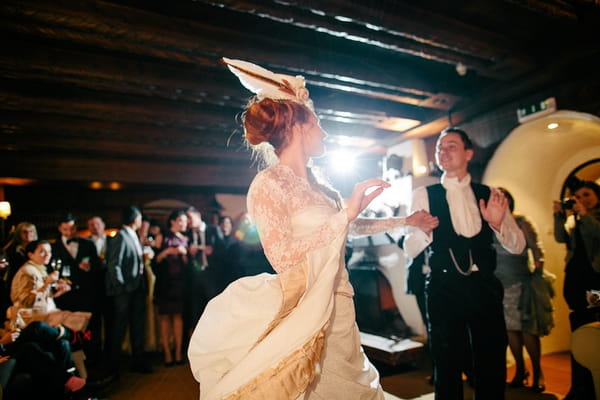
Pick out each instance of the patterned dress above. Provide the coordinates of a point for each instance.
(291, 335)
(513, 271)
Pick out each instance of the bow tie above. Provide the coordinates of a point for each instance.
(69, 241)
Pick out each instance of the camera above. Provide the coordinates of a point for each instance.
(567, 204)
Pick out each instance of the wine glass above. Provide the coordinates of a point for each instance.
(55, 265)
(66, 272)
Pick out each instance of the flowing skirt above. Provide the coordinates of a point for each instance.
(286, 336)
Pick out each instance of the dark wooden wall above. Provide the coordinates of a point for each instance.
(44, 204)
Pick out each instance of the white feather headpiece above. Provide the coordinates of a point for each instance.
(269, 85)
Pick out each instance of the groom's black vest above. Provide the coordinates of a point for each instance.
(445, 238)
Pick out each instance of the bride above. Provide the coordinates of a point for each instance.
(291, 335)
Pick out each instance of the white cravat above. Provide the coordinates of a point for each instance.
(464, 210)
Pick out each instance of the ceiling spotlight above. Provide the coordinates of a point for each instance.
(420, 170)
(115, 186)
(96, 185)
(341, 162)
(552, 125)
(461, 69)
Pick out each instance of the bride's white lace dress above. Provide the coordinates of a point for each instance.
(290, 335)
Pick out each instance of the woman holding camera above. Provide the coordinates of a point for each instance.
(577, 223)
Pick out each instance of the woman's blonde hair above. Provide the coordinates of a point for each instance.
(16, 234)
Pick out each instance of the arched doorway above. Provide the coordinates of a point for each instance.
(533, 163)
(160, 209)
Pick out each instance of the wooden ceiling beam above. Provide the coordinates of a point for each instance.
(110, 73)
(580, 72)
(103, 148)
(118, 108)
(107, 26)
(166, 122)
(396, 27)
(170, 82)
(59, 167)
(33, 129)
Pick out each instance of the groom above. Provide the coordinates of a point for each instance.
(464, 298)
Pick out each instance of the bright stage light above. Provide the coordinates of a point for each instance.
(341, 161)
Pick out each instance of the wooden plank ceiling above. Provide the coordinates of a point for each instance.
(132, 91)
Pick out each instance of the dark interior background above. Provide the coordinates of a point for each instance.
(132, 92)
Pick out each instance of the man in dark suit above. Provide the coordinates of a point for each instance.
(99, 238)
(80, 265)
(126, 284)
(203, 281)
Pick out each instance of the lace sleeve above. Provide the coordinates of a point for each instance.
(369, 226)
(268, 204)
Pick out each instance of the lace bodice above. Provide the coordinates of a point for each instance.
(277, 195)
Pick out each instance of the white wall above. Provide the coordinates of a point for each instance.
(533, 162)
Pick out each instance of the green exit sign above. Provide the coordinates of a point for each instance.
(536, 110)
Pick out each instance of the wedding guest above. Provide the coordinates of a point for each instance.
(33, 287)
(127, 285)
(99, 238)
(227, 254)
(96, 226)
(527, 300)
(202, 278)
(4, 287)
(82, 267)
(577, 223)
(24, 233)
(43, 352)
(155, 235)
(171, 263)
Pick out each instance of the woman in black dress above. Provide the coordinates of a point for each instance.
(169, 288)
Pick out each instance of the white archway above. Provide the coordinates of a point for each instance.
(533, 162)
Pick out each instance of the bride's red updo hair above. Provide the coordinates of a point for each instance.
(270, 121)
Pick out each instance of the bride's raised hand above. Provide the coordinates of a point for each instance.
(423, 220)
(360, 199)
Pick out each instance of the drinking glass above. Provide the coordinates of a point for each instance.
(66, 272)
